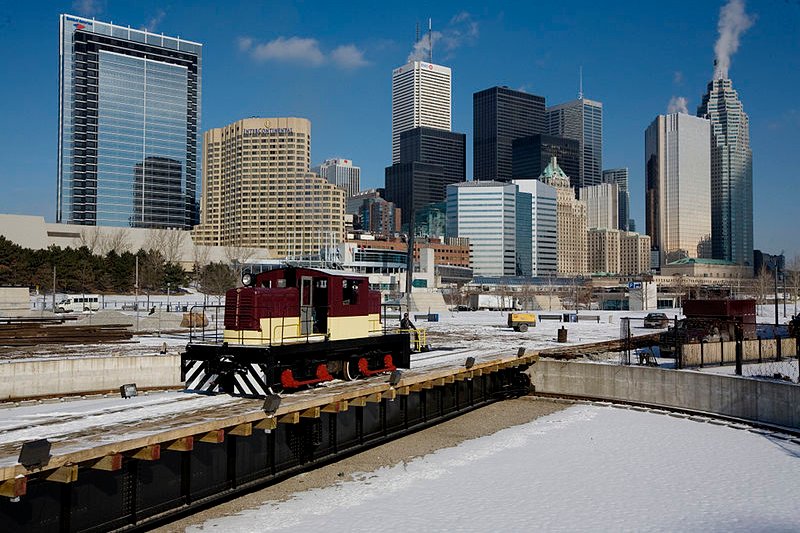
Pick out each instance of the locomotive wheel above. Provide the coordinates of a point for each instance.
(350, 370)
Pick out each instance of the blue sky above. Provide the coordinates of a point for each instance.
(332, 62)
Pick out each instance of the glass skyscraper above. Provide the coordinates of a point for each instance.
(731, 173)
(129, 109)
(582, 120)
(499, 116)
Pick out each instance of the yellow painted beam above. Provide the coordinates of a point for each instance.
(390, 394)
(374, 398)
(64, 474)
(148, 453)
(12, 488)
(267, 423)
(290, 418)
(312, 412)
(416, 387)
(336, 407)
(358, 402)
(215, 436)
(109, 463)
(403, 391)
(449, 379)
(242, 430)
(184, 444)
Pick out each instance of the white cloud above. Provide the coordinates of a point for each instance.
(155, 20)
(678, 104)
(303, 50)
(88, 8)
(348, 56)
(245, 43)
(293, 49)
(677, 77)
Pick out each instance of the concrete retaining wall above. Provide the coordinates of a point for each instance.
(749, 399)
(57, 377)
(696, 354)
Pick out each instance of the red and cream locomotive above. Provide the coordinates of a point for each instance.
(292, 327)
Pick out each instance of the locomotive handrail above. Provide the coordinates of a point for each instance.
(419, 337)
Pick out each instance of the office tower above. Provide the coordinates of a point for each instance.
(267, 198)
(677, 185)
(571, 222)
(731, 173)
(530, 156)
(420, 97)
(524, 234)
(634, 253)
(485, 213)
(129, 109)
(544, 223)
(604, 250)
(620, 177)
(436, 147)
(501, 115)
(582, 120)
(412, 186)
(342, 173)
(602, 205)
(379, 217)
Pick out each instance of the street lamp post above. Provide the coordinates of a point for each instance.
(167, 297)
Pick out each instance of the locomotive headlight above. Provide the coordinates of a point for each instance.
(247, 279)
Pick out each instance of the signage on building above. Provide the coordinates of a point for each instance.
(634, 284)
(267, 131)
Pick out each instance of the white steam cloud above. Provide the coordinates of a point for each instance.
(461, 29)
(733, 22)
(678, 104)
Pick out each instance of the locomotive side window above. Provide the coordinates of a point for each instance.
(349, 292)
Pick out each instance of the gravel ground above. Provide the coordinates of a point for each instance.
(481, 422)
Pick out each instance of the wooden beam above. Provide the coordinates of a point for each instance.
(312, 412)
(109, 463)
(64, 474)
(449, 379)
(403, 391)
(242, 430)
(336, 407)
(148, 453)
(13, 488)
(290, 418)
(358, 402)
(461, 376)
(184, 444)
(477, 372)
(390, 394)
(267, 423)
(215, 436)
(416, 387)
(438, 382)
(374, 398)
(427, 384)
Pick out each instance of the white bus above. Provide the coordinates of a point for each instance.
(79, 303)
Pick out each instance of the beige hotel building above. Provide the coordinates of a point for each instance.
(259, 192)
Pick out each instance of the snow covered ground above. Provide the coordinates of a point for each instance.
(586, 468)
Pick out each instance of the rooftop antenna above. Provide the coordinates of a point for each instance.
(580, 82)
(430, 41)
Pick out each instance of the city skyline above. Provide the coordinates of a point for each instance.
(248, 60)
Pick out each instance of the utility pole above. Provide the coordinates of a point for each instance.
(136, 292)
(54, 288)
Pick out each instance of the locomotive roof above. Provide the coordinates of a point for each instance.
(325, 271)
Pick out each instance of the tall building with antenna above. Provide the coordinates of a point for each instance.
(582, 120)
(731, 173)
(421, 95)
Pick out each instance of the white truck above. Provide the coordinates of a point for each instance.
(494, 302)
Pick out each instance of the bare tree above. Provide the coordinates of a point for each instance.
(118, 241)
(762, 284)
(168, 242)
(90, 237)
(216, 278)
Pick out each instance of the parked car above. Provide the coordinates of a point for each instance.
(656, 320)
